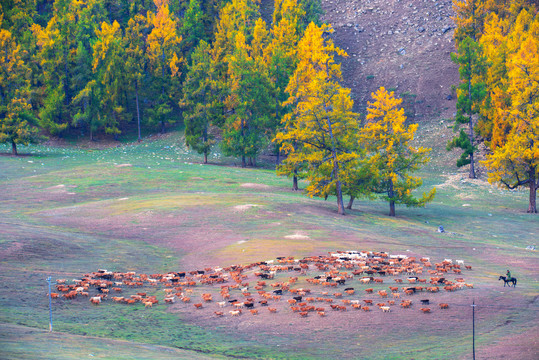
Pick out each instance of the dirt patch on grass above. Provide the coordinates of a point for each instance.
(456, 181)
(297, 236)
(57, 187)
(255, 186)
(466, 197)
(61, 189)
(241, 208)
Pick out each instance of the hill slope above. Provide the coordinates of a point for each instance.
(404, 45)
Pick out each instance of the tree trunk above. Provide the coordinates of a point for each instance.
(391, 194)
(113, 115)
(532, 208)
(205, 140)
(67, 98)
(277, 146)
(138, 111)
(14, 148)
(295, 181)
(338, 189)
(473, 19)
(472, 167)
(340, 203)
(242, 132)
(349, 207)
(163, 90)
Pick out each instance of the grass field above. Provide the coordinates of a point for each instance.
(152, 207)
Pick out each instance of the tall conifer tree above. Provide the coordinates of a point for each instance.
(392, 158)
(322, 121)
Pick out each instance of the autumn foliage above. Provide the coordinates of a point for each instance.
(513, 159)
(498, 54)
(324, 138)
(321, 129)
(391, 156)
(94, 68)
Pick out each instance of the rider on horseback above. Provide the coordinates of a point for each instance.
(508, 279)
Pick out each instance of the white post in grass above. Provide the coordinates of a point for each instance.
(50, 304)
(473, 328)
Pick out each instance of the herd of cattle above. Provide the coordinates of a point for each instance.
(358, 280)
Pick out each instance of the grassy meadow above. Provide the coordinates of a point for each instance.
(153, 207)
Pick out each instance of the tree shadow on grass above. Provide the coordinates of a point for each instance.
(25, 155)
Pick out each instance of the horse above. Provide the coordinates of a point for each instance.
(506, 282)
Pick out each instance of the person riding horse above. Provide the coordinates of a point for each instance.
(508, 279)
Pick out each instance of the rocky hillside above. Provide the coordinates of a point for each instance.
(403, 45)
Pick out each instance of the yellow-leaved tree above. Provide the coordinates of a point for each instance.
(164, 62)
(391, 156)
(469, 15)
(514, 158)
(321, 131)
(282, 60)
(236, 16)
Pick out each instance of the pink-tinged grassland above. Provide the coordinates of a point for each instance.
(152, 207)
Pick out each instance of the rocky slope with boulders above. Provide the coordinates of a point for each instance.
(403, 45)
